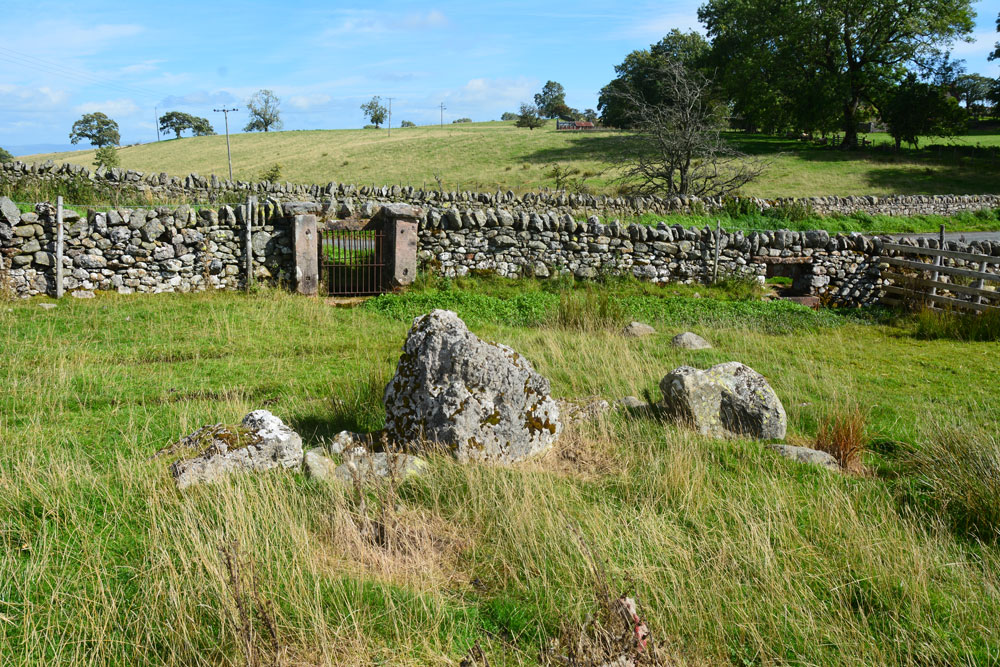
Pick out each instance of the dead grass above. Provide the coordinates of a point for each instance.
(842, 433)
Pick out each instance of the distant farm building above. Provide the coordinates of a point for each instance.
(574, 125)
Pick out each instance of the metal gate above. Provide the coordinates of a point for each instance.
(352, 262)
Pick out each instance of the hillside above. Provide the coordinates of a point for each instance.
(488, 156)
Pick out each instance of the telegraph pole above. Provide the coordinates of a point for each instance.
(229, 153)
(443, 107)
(390, 117)
(156, 114)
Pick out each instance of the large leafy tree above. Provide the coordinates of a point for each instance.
(178, 121)
(97, 129)
(375, 111)
(265, 112)
(551, 102)
(914, 108)
(844, 53)
(973, 90)
(637, 74)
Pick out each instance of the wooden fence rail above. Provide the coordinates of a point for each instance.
(916, 287)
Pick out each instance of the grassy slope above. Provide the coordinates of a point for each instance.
(487, 156)
(736, 555)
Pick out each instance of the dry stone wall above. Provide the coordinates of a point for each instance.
(347, 200)
(183, 249)
(163, 249)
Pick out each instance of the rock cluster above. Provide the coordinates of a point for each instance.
(479, 400)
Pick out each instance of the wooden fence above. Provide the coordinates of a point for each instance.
(911, 284)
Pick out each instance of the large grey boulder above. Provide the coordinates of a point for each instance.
(482, 401)
(10, 217)
(263, 442)
(727, 400)
(690, 341)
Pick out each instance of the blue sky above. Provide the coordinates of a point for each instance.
(61, 59)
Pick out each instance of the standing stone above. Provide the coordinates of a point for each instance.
(482, 401)
(727, 400)
(263, 443)
(690, 341)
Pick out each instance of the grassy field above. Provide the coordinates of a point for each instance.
(735, 555)
(491, 156)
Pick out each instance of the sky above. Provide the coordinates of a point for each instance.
(59, 60)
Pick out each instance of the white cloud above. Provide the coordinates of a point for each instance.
(31, 98)
(493, 92)
(369, 22)
(305, 102)
(120, 107)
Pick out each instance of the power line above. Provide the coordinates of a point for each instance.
(79, 76)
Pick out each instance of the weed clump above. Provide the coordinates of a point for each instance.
(969, 327)
(842, 435)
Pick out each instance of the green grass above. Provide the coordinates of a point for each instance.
(736, 556)
(491, 156)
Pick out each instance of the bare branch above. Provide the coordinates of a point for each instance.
(676, 147)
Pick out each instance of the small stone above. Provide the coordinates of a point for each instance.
(364, 467)
(631, 403)
(806, 455)
(318, 465)
(638, 330)
(690, 341)
(82, 294)
(47, 306)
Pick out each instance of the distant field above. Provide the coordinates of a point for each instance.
(490, 156)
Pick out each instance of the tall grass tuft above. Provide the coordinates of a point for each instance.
(970, 327)
(956, 474)
(589, 310)
(842, 434)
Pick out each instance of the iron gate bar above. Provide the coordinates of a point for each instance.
(352, 262)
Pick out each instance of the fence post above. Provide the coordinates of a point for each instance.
(248, 240)
(938, 260)
(981, 283)
(718, 241)
(60, 241)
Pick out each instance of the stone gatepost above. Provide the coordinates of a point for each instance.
(306, 259)
(399, 222)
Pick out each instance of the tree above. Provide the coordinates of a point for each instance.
(590, 115)
(845, 51)
(528, 117)
(676, 147)
(178, 121)
(551, 102)
(914, 108)
(637, 73)
(508, 115)
(97, 129)
(200, 127)
(5, 156)
(407, 123)
(973, 90)
(107, 157)
(264, 112)
(375, 111)
(462, 120)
